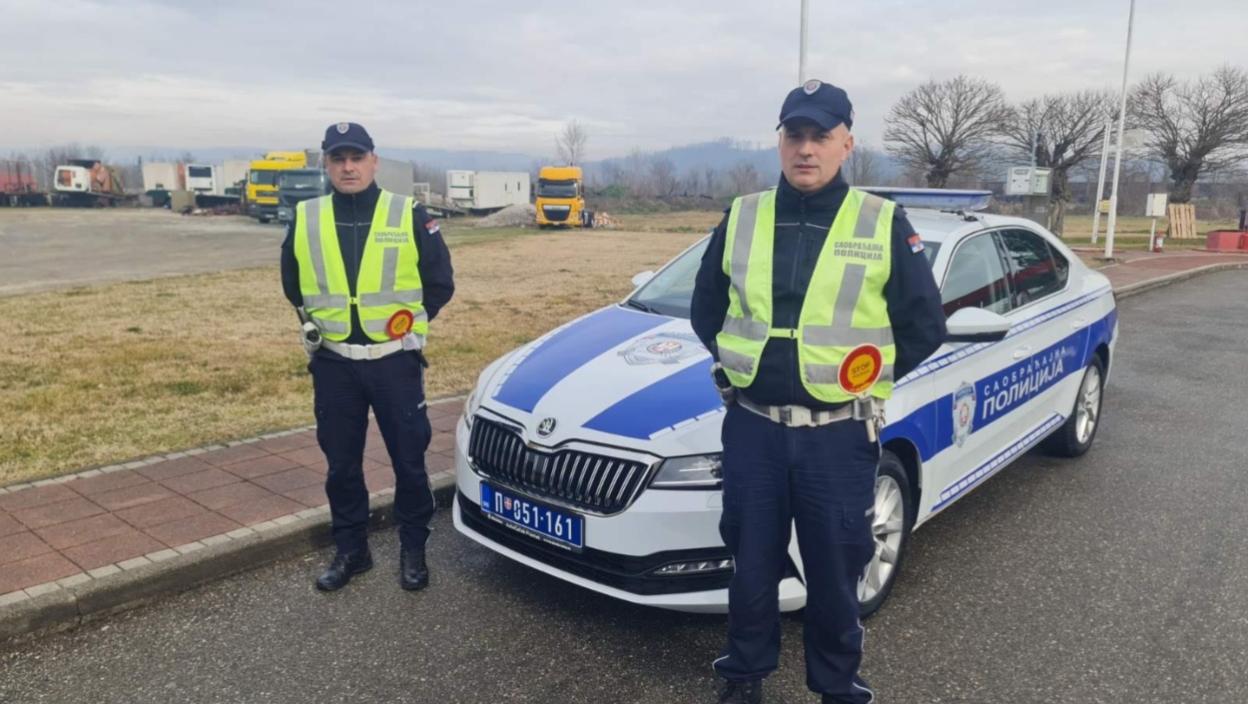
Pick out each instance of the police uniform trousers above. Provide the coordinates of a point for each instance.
(394, 387)
(822, 479)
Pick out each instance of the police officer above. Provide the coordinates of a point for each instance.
(812, 298)
(367, 270)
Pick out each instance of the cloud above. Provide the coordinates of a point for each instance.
(506, 76)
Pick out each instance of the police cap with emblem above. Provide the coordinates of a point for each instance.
(346, 135)
(819, 102)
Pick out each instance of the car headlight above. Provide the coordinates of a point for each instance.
(693, 472)
(471, 404)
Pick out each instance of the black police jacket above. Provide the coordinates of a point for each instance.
(802, 225)
(354, 215)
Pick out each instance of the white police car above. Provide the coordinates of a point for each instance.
(592, 453)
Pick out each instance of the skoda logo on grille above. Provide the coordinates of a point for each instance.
(546, 427)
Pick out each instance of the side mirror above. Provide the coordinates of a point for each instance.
(642, 278)
(976, 325)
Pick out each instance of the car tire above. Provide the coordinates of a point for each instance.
(891, 524)
(1076, 435)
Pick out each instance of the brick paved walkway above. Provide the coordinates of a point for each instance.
(100, 519)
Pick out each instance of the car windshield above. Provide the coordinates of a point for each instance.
(556, 189)
(671, 290)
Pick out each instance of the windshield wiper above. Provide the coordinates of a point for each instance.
(640, 306)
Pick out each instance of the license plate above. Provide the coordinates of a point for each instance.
(560, 528)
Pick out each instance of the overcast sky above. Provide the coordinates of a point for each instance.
(465, 74)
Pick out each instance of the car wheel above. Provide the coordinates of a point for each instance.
(890, 529)
(1077, 433)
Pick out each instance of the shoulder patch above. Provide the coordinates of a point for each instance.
(431, 226)
(915, 242)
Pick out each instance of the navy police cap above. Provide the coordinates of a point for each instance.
(822, 103)
(346, 135)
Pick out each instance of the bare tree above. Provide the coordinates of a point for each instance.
(691, 184)
(570, 143)
(1193, 126)
(710, 179)
(663, 179)
(943, 127)
(636, 165)
(864, 166)
(1065, 130)
(743, 178)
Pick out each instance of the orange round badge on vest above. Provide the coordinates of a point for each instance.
(860, 369)
(399, 324)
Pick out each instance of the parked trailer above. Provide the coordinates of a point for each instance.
(18, 185)
(233, 178)
(487, 191)
(394, 176)
(86, 182)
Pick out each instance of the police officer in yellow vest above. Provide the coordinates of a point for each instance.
(367, 270)
(812, 298)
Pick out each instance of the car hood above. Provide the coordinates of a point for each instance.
(616, 376)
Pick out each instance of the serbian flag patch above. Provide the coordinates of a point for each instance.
(915, 242)
(432, 227)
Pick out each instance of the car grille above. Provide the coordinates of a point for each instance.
(556, 215)
(584, 480)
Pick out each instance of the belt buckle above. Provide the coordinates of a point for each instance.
(796, 416)
(374, 351)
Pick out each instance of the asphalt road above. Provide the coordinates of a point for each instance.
(1119, 577)
(45, 248)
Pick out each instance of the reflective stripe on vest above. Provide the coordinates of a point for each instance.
(388, 280)
(852, 269)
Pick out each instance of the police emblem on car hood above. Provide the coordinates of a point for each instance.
(546, 427)
(663, 348)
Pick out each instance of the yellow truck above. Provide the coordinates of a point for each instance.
(262, 182)
(560, 197)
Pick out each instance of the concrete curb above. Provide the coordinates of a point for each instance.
(1149, 285)
(64, 605)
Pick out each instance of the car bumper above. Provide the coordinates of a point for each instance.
(622, 551)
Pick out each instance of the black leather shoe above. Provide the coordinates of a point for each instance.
(413, 574)
(750, 692)
(343, 568)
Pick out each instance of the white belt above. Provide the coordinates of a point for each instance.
(797, 416)
(358, 352)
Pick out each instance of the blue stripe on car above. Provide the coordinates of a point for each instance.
(930, 427)
(568, 350)
(686, 394)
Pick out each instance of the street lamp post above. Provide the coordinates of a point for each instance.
(1100, 180)
(1122, 122)
(801, 59)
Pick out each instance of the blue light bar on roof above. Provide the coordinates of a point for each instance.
(934, 198)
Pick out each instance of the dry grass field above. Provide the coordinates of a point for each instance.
(95, 375)
(104, 373)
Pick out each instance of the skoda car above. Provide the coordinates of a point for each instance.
(593, 453)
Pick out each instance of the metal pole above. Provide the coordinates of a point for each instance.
(1100, 181)
(1122, 123)
(801, 60)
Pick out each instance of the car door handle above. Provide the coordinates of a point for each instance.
(1022, 352)
(1078, 323)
